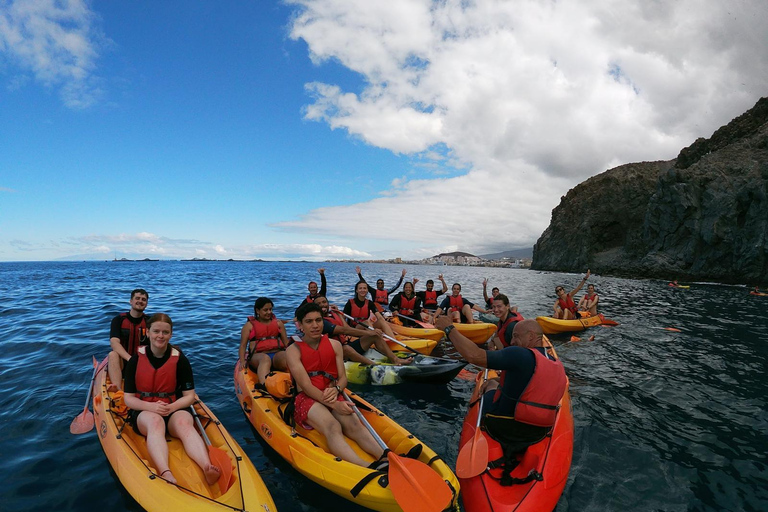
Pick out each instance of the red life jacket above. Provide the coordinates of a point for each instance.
(456, 303)
(381, 296)
(407, 306)
(430, 299)
(156, 385)
(501, 330)
(137, 333)
(538, 403)
(310, 298)
(360, 314)
(567, 304)
(336, 319)
(320, 363)
(266, 336)
(590, 298)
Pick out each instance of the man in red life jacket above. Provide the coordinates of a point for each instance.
(380, 295)
(127, 332)
(565, 308)
(457, 307)
(314, 293)
(336, 327)
(521, 406)
(429, 297)
(508, 318)
(588, 302)
(317, 364)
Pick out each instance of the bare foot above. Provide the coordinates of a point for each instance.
(113, 388)
(168, 476)
(400, 361)
(212, 473)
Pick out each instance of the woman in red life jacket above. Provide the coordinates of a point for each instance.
(457, 307)
(380, 295)
(317, 364)
(263, 340)
(565, 308)
(365, 311)
(588, 302)
(407, 304)
(159, 388)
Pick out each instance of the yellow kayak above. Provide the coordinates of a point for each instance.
(127, 454)
(479, 332)
(555, 326)
(307, 450)
(420, 345)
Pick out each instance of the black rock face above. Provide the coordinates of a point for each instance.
(702, 216)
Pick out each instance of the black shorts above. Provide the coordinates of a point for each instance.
(133, 415)
(356, 346)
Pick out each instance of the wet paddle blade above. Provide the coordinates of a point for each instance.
(82, 423)
(220, 459)
(473, 457)
(416, 487)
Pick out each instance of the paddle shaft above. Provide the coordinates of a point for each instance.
(367, 425)
(393, 340)
(423, 324)
(90, 388)
(482, 397)
(199, 424)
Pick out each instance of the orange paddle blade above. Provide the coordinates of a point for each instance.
(416, 487)
(672, 329)
(473, 456)
(82, 423)
(608, 321)
(220, 459)
(575, 338)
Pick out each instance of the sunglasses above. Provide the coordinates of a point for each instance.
(559, 289)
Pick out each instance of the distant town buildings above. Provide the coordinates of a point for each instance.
(461, 259)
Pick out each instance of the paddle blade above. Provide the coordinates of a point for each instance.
(473, 457)
(82, 423)
(416, 487)
(220, 459)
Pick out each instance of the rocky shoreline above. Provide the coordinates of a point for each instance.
(702, 216)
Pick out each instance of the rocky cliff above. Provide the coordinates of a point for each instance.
(701, 216)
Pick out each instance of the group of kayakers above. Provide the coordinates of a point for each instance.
(159, 384)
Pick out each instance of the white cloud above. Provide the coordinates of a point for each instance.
(535, 96)
(57, 42)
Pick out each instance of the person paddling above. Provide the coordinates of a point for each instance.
(565, 308)
(520, 407)
(317, 364)
(127, 332)
(159, 389)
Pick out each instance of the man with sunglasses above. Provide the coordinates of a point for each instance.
(565, 308)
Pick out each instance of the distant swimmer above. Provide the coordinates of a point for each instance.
(565, 308)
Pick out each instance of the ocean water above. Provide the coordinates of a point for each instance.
(665, 421)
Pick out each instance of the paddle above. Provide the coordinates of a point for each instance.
(393, 340)
(473, 456)
(218, 456)
(415, 486)
(83, 422)
(423, 324)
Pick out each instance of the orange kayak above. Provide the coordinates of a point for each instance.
(550, 458)
(556, 326)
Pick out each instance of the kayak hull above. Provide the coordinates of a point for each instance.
(423, 369)
(127, 453)
(307, 450)
(421, 345)
(550, 457)
(479, 332)
(556, 326)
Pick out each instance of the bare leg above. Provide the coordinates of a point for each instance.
(152, 426)
(181, 425)
(263, 364)
(467, 311)
(115, 370)
(381, 346)
(320, 418)
(355, 430)
(382, 324)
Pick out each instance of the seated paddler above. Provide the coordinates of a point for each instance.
(521, 406)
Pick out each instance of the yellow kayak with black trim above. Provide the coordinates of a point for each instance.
(421, 345)
(307, 450)
(478, 332)
(127, 453)
(552, 325)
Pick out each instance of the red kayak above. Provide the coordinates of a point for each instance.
(550, 458)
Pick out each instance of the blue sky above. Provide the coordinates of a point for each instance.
(325, 129)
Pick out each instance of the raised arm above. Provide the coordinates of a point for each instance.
(581, 284)
(399, 282)
(323, 282)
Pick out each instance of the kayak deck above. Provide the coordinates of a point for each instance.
(307, 450)
(423, 369)
(555, 325)
(127, 453)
